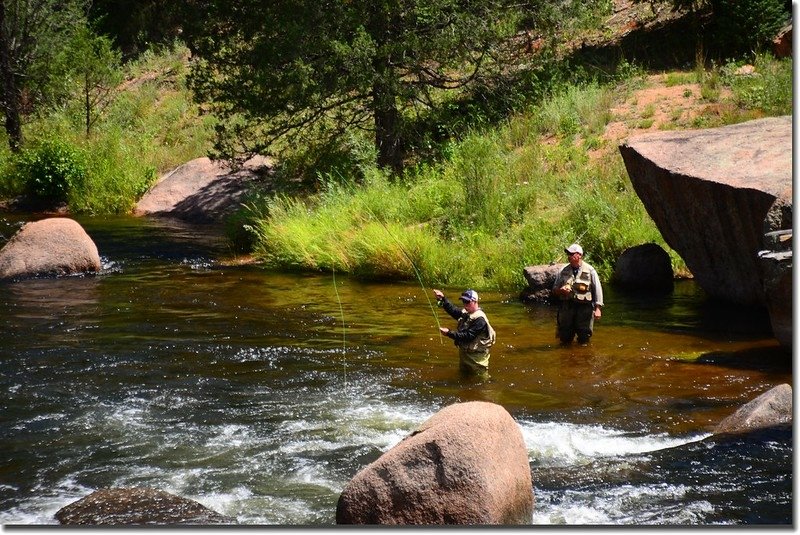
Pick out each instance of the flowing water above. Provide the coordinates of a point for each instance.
(260, 395)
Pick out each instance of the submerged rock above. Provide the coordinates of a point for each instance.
(467, 464)
(50, 247)
(131, 506)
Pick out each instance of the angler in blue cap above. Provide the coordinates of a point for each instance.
(474, 334)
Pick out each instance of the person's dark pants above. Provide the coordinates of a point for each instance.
(575, 318)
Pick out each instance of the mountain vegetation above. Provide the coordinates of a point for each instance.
(448, 141)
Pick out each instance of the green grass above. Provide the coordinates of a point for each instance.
(496, 205)
(679, 78)
(769, 89)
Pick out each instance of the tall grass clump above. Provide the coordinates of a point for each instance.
(370, 229)
(769, 89)
(576, 109)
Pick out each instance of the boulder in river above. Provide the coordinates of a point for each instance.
(133, 506)
(715, 195)
(203, 190)
(770, 409)
(49, 247)
(644, 267)
(467, 464)
(540, 280)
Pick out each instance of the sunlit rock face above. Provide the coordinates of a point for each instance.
(715, 195)
(49, 247)
(466, 465)
(204, 190)
(772, 408)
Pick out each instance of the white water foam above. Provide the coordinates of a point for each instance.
(659, 504)
(565, 444)
(278, 476)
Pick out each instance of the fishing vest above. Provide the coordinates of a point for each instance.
(475, 354)
(581, 283)
(482, 342)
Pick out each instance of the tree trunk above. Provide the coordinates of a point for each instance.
(386, 115)
(87, 103)
(387, 136)
(10, 95)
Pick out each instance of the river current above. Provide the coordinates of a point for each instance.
(260, 395)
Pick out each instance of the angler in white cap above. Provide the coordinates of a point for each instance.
(473, 336)
(578, 288)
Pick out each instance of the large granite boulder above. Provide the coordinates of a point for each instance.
(467, 464)
(203, 190)
(770, 409)
(133, 506)
(49, 247)
(714, 194)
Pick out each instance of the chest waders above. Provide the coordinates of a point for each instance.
(576, 313)
(474, 355)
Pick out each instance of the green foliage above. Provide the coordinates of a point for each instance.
(360, 64)
(150, 128)
(746, 26)
(93, 66)
(576, 109)
(32, 34)
(710, 85)
(679, 78)
(768, 89)
(136, 26)
(117, 175)
(498, 202)
(51, 170)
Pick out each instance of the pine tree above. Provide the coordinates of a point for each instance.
(283, 69)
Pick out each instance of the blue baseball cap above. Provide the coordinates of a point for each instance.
(469, 295)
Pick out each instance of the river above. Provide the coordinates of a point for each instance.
(260, 394)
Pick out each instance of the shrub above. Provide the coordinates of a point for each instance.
(51, 170)
(768, 89)
(745, 26)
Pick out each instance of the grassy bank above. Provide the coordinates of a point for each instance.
(506, 197)
(474, 220)
(472, 212)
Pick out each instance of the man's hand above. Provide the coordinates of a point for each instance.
(444, 330)
(439, 295)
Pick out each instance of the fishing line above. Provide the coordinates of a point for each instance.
(344, 330)
(414, 267)
(576, 240)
